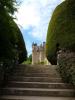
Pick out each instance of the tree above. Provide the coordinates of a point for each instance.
(8, 6)
(12, 46)
(10, 34)
(21, 44)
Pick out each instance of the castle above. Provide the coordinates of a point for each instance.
(38, 54)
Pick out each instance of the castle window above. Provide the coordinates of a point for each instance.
(37, 49)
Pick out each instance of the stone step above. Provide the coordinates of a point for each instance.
(39, 92)
(16, 84)
(36, 79)
(36, 74)
(35, 98)
(37, 67)
(34, 71)
(33, 68)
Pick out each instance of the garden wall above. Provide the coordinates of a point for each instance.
(66, 65)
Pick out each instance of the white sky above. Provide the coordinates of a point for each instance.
(36, 14)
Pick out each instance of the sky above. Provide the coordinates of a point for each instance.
(33, 17)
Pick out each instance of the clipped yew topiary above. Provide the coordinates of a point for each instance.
(12, 46)
(11, 41)
(60, 43)
(19, 42)
(61, 30)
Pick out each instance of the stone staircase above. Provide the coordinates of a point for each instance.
(36, 80)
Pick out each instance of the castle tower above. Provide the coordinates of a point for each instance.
(41, 53)
(35, 53)
(38, 53)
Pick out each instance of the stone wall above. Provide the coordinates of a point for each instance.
(66, 65)
(35, 54)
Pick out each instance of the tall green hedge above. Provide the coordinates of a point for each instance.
(11, 40)
(21, 48)
(10, 36)
(12, 46)
(61, 30)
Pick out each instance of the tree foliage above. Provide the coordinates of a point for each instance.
(18, 40)
(12, 46)
(8, 6)
(10, 34)
(61, 30)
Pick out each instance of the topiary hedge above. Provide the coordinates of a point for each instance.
(21, 48)
(11, 36)
(61, 30)
(60, 44)
(12, 46)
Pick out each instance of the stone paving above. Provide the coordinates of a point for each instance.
(37, 83)
(37, 98)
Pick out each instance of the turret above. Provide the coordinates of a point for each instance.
(34, 46)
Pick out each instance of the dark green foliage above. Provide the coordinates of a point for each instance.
(6, 34)
(61, 30)
(21, 48)
(8, 6)
(12, 46)
(61, 36)
(10, 34)
(5, 38)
